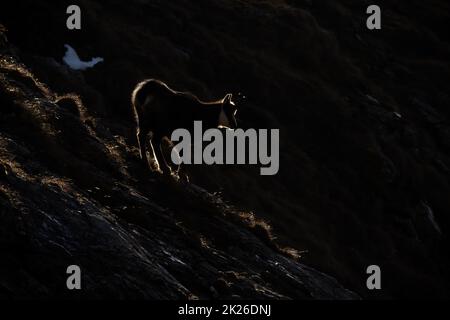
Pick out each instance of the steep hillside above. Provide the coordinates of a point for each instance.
(364, 170)
(71, 192)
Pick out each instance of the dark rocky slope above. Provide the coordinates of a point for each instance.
(364, 173)
(71, 192)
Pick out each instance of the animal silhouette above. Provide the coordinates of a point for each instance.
(160, 110)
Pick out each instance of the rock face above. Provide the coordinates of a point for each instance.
(364, 170)
(71, 193)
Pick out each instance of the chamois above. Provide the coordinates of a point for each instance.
(160, 110)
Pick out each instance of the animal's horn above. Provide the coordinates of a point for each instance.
(227, 98)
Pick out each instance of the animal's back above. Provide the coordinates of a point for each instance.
(158, 89)
(160, 107)
(149, 88)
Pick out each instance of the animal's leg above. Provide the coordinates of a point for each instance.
(141, 135)
(170, 148)
(155, 162)
(160, 157)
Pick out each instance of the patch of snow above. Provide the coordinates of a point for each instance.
(72, 59)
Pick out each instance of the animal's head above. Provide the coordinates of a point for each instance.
(229, 109)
